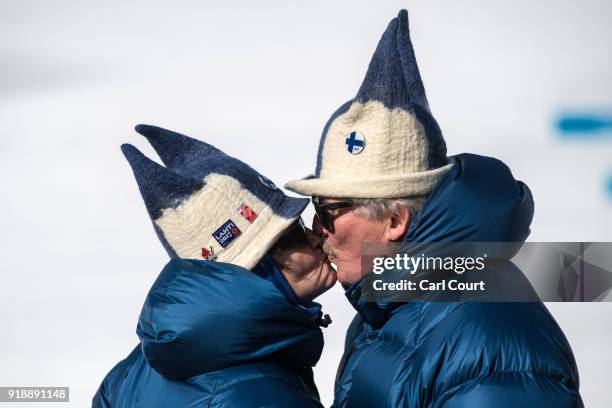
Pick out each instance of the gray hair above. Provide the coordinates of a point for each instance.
(377, 208)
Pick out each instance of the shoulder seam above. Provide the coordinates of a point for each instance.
(491, 373)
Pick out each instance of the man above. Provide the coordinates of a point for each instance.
(383, 176)
(230, 321)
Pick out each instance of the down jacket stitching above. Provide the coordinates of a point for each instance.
(494, 372)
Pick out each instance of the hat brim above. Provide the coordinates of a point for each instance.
(394, 186)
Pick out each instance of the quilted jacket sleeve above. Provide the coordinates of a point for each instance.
(510, 389)
(495, 354)
(111, 386)
(272, 393)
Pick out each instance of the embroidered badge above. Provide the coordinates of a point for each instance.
(355, 142)
(226, 233)
(247, 212)
(208, 254)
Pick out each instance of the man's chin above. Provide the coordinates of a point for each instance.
(347, 277)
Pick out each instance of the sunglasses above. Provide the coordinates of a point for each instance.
(328, 212)
(293, 236)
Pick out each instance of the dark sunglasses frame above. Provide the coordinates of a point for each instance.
(323, 211)
(295, 235)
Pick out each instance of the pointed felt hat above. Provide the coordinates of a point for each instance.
(384, 143)
(205, 204)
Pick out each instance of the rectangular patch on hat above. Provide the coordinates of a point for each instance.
(247, 212)
(226, 233)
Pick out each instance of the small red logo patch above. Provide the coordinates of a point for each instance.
(206, 253)
(247, 212)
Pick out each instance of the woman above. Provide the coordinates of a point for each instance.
(230, 321)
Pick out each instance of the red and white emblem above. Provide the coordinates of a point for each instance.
(247, 212)
(208, 254)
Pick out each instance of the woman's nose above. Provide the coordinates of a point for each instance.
(317, 226)
(314, 240)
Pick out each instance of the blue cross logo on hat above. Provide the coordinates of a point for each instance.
(355, 142)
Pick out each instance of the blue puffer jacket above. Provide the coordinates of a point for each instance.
(217, 335)
(460, 354)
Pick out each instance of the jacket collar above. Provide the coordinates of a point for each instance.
(375, 314)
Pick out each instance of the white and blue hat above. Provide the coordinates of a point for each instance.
(205, 204)
(384, 143)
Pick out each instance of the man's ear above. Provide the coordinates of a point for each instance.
(398, 225)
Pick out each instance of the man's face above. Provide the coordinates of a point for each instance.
(343, 245)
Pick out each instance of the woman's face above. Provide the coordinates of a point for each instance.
(306, 267)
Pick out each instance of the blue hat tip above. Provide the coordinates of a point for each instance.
(148, 130)
(129, 151)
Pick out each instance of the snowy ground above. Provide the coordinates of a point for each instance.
(259, 80)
